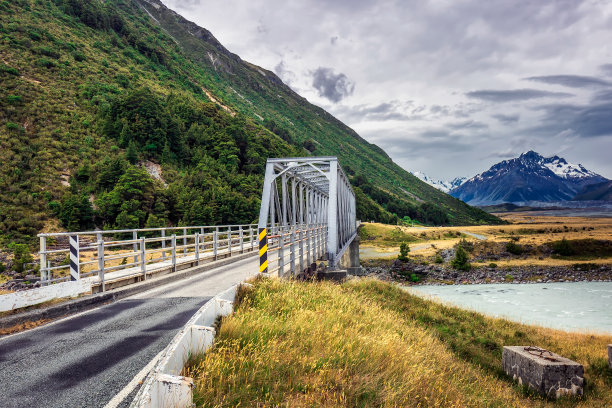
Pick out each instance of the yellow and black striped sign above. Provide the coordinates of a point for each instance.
(263, 250)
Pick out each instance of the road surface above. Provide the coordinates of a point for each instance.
(85, 360)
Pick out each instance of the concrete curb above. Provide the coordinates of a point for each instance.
(164, 386)
(98, 299)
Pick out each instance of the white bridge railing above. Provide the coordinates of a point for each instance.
(103, 255)
(294, 251)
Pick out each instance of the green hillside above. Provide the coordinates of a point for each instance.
(123, 114)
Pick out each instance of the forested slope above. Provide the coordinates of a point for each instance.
(96, 92)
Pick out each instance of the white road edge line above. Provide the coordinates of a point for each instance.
(138, 378)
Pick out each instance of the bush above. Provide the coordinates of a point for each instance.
(514, 248)
(404, 250)
(492, 265)
(414, 277)
(46, 63)
(79, 56)
(8, 70)
(21, 257)
(468, 246)
(439, 259)
(460, 261)
(508, 278)
(563, 248)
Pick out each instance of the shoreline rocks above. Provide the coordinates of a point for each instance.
(419, 274)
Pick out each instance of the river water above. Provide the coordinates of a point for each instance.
(570, 306)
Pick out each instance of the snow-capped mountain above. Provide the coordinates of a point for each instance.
(530, 177)
(442, 185)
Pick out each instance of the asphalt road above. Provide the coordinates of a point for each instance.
(85, 360)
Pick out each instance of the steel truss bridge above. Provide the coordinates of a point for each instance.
(307, 213)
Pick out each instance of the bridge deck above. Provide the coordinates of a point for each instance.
(85, 360)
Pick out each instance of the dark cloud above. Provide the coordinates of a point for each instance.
(603, 96)
(468, 124)
(330, 85)
(393, 110)
(572, 81)
(333, 40)
(514, 95)
(586, 121)
(606, 69)
(506, 119)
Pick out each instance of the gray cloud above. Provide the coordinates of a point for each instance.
(606, 69)
(468, 124)
(572, 81)
(283, 73)
(585, 120)
(333, 40)
(514, 95)
(330, 85)
(506, 119)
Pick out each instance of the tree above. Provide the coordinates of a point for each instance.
(131, 154)
(460, 261)
(404, 250)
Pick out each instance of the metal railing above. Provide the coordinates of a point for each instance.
(292, 251)
(120, 253)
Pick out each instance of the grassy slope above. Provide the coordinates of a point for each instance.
(367, 343)
(255, 91)
(58, 74)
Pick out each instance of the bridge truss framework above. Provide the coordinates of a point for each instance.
(306, 195)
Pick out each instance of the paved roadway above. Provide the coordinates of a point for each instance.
(85, 360)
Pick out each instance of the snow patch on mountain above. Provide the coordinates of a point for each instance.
(442, 185)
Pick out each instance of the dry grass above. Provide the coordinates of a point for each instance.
(357, 344)
(529, 229)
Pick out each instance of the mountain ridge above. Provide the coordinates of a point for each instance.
(527, 178)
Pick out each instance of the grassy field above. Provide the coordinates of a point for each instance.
(527, 230)
(367, 343)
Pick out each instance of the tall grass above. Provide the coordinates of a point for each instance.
(368, 343)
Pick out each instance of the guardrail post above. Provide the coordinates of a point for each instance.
(197, 248)
(184, 240)
(281, 253)
(215, 242)
(315, 238)
(229, 240)
(75, 266)
(292, 253)
(43, 259)
(163, 235)
(241, 240)
(251, 241)
(101, 261)
(135, 245)
(143, 258)
(203, 248)
(308, 247)
(301, 241)
(173, 252)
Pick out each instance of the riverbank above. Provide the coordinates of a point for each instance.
(370, 343)
(415, 273)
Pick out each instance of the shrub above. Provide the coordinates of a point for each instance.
(404, 250)
(414, 277)
(9, 70)
(508, 278)
(46, 63)
(79, 56)
(460, 261)
(14, 98)
(21, 257)
(563, 248)
(492, 265)
(439, 259)
(514, 248)
(466, 245)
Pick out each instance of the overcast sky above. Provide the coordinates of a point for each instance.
(446, 87)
